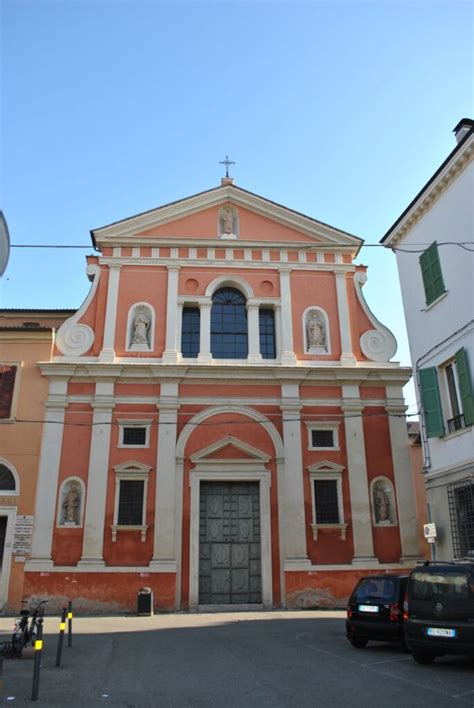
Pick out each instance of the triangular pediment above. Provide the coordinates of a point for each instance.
(195, 219)
(326, 466)
(230, 448)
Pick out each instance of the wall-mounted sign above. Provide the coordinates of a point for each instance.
(22, 535)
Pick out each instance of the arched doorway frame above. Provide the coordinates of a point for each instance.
(263, 477)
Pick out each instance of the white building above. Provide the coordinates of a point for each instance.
(434, 245)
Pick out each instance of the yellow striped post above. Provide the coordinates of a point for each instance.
(62, 627)
(69, 624)
(37, 664)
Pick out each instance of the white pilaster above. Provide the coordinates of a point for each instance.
(94, 517)
(205, 332)
(291, 497)
(402, 469)
(170, 355)
(45, 506)
(254, 354)
(358, 481)
(108, 351)
(287, 354)
(164, 545)
(347, 355)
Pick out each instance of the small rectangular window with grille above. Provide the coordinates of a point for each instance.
(326, 501)
(461, 512)
(130, 507)
(322, 438)
(134, 435)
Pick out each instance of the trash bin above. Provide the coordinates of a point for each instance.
(145, 602)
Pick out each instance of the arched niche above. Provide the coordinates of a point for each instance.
(71, 503)
(316, 331)
(382, 498)
(140, 327)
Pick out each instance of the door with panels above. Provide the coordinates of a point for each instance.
(229, 544)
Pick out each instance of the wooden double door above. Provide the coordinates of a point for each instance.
(229, 544)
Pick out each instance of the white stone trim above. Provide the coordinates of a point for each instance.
(347, 355)
(170, 355)
(323, 425)
(59, 511)
(377, 344)
(331, 471)
(258, 455)
(230, 281)
(231, 473)
(287, 355)
(129, 347)
(125, 472)
(10, 512)
(48, 473)
(94, 519)
(253, 332)
(166, 493)
(108, 347)
(72, 338)
(134, 423)
(11, 467)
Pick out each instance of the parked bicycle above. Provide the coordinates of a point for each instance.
(24, 631)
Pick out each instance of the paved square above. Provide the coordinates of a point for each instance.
(259, 659)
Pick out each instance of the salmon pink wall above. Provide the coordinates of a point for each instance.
(318, 289)
(204, 224)
(104, 591)
(194, 281)
(142, 285)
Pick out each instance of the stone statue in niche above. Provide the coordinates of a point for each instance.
(316, 339)
(381, 505)
(140, 330)
(228, 222)
(71, 507)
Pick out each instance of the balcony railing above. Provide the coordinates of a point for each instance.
(456, 423)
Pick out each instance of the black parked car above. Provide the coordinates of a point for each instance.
(375, 610)
(439, 610)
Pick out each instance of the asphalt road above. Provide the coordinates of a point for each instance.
(231, 660)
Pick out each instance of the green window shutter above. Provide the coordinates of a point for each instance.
(465, 386)
(431, 273)
(431, 402)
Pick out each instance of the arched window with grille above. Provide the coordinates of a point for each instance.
(229, 337)
(8, 480)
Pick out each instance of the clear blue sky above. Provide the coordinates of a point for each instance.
(341, 110)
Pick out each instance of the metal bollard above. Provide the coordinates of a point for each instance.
(37, 664)
(62, 627)
(69, 624)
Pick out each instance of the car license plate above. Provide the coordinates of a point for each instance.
(440, 632)
(368, 608)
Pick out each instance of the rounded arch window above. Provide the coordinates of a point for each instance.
(7, 480)
(383, 502)
(229, 336)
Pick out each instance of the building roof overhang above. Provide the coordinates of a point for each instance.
(458, 158)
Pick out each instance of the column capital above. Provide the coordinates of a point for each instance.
(170, 405)
(349, 407)
(286, 268)
(173, 267)
(104, 406)
(57, 406)
(115, 266)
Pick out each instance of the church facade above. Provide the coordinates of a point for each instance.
(224, 423)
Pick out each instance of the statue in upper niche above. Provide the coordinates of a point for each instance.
(315, 331)
(141, 324)
(228, 221)
(71, 504)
